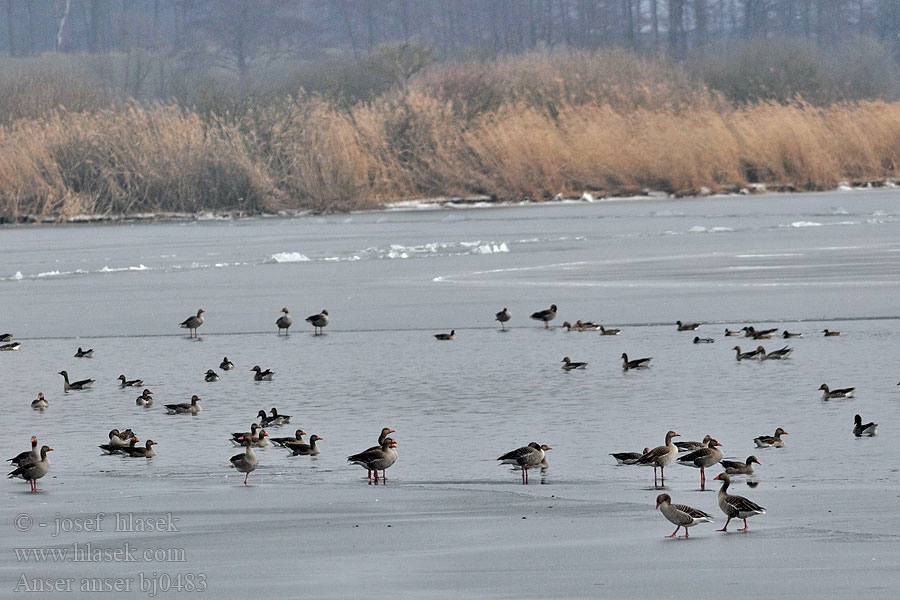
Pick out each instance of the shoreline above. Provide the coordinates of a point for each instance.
(436, 203)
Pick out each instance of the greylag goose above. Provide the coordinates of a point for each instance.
(604, 331)
(284, 322)
(628, 458)
(703, 459)
(503, 316)
(734, 467)
(298, 437)
(690, 446)
(686, 326)
(545, 315)
(210, 376)
(736, 507)
(638, 363)
(185, 408)
(744, 355)
(10, 347)
(700, 340)
(265, 420)
(261, 375)
(260, 441)
(27, 456)
(144, 399)
(193, 322)
(239, 436)
(376, 459)
(568, 326)
(116, 448)
(828, 394)
(859, 429)
(385, 431)
(145, 451)
(775, 441)
(765, 334)
(446, 336)
(525, 457)
(32, 471)
(586, 325)
(130, 382)
(827, 333)
(731, 333)
(89, 353)
(318, 321)
(680, 514)
(570, 366)
(277, 419)
(787, 334)
(774, 354)
(299, 448)
(661, 456)
(77, 385)
(40, 403)
(247, 461)
(226, 365)
(7, 337)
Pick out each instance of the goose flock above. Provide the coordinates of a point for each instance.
(32, 465)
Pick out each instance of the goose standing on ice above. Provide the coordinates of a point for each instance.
(703, 459)
(192, 323)
(32, 471)
(680, 514)
(661, 456)
(284, 322)
(525, 457)
(27, 456)
(77, 385)
(376, 459)
(736, 507)
(546, 315)
(247, 461)
(503, 316)
(318, 321)
(628, 458)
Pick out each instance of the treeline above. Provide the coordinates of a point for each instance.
(527, 126)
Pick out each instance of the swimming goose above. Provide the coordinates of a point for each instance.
(730, 333)
(27, 456)
(78, 385)
(686, 326)
(277, 419)
(638, 363)
(298, 437)
(318, 321)
(830, 333)
(10, 347)
(744, 355)
(32, 471)
(828, 394)
(185, 408)
(568, 326)
(145, 451)
(265, 420)
(702, 459)
(604, 331)
(125, 436)
(84, 353)
(238, 437)
(690, 446)
(525, 457)
(680, 514)
(260, 441)
(661, 456)
(302, 449)
(144, 399)
(247, 461)
(40, 403)
(130, 383)
(262, 375)
(775, 441)
(700, 340)
(628, 458)
(226, 365)
(545, 315)
(569, 366)
(859, 429)
(446, 336)
(284, 322)
(6, 337)
(787, 334)
(736, 507)
(210, 375)
(586, 325)
(112, 448)
(774, 354)
(765, 334)
(503, 316)
(376, 459)
(192, 323)
(734, 467)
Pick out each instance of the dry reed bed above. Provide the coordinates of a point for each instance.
(309, 153)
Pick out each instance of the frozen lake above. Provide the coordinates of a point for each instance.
(450, 521)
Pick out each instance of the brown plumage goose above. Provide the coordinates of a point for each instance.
(446, 336)
(661, 456)
(525, 457)
(145, 451)
(570, 365)
(247, 461)
(40, 403)
(680, 514)
(298, 437)
(545, 315)
(32, 455)
(261, 375)
(299, 448)
(775, 441)
(744, 355)
(503, 316)
(376, 459)
(185, 408)
(827, 333)
(686, 326)
(318, 321)
(628, 458)
(703, 459)
(733, 467)
(828, 394)
(144, 399)
(284, 322)
(605, 331)
(77, 385)
(779, 354)
(32, 471)
(690, 445)
(736, 507)
(192, 323)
